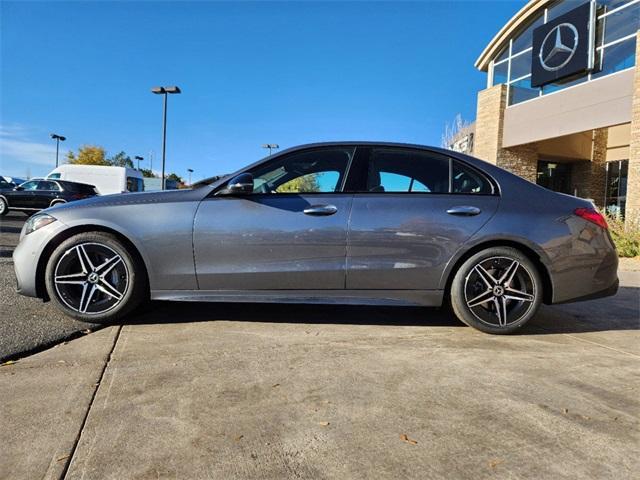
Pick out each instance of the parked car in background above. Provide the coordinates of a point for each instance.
(5, 185)
(368, 223)
(14, 180)
(106, 179)
(35, 195)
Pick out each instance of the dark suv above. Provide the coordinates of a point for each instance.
(35, 195)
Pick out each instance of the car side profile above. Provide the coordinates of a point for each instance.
(348, 222)
(38, 194)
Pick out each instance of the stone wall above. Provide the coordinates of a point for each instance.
(588, 178)
(633, 183)
(521, 160)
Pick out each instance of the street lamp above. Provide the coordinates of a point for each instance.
(190, 170)
(271, 146)
(164, 91)
(58, 139)
(139, 159)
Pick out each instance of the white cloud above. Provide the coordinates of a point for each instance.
(20, 156)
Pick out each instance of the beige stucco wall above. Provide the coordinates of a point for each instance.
(589, 106)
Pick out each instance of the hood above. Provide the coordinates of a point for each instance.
(167, 196)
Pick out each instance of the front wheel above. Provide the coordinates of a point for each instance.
(4, 207)
(497, 290)
(94, 278)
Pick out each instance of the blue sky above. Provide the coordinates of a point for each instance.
(251, 73)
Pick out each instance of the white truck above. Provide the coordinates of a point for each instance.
(106, 179)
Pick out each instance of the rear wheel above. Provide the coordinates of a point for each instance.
(496, 290)
(4, 207)
(94, 278)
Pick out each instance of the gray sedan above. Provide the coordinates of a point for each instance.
(350, 222)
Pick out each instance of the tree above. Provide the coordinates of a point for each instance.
(459, 135)
(121, 159)
(146, 172)
(304, 184)
(175, 177)
(88, 155)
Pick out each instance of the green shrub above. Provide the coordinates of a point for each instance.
(627, 242)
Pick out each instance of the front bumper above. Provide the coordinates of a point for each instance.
(27, 256)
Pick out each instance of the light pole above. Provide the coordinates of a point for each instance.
(164, 91)
(190, 170)
(139, 159)
(58, 139)
(271, 146)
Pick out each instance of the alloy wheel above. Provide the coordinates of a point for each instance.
(499, 291)
(91, 278)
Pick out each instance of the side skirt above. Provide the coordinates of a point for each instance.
(426, 298)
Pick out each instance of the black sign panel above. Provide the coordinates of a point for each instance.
(561, 47)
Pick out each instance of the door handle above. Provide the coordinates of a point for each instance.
(320, 210)
(464, 211)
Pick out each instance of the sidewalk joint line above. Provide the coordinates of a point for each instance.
(93, 397)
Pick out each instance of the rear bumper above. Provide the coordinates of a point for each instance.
(607, 292)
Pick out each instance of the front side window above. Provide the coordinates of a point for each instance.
(32, 185)
(406, 171)
(314, 171)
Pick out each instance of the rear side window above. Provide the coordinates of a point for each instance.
(54, 175)
(80, 188)
(464, 179)
(405, 171)
(51, 186)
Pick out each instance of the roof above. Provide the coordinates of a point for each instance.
(518, 21)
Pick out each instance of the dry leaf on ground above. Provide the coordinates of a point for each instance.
(405, 438)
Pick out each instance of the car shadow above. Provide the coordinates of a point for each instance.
(608, 314)
(180, 312)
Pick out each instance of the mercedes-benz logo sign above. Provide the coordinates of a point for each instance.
(558, 47)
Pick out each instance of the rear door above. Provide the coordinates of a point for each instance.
(412, 210)
(46, 192)
(290, 234)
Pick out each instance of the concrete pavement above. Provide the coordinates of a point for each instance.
(230, 391)
(26, 324)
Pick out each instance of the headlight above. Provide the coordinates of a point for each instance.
(37, 221)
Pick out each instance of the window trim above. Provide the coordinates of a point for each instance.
(278, 157)
(364, 162)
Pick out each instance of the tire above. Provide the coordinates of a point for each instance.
(94, 278)
(497, 290)
(4, 207)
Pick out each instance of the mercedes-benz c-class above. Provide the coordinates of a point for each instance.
(349, 222)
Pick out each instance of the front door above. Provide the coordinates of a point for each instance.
(412, 211)
(26, 196)
(290, 234)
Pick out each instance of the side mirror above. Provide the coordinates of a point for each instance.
(240, 184)
(18, 188)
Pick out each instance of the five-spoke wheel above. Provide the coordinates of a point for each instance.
(91, 278)
(95, 278)
(496, 290)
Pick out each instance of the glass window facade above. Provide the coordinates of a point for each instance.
(617, 24)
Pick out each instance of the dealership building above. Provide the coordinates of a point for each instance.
(562, 103)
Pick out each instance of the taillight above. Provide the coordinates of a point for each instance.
(593, 216)
(77, 196)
